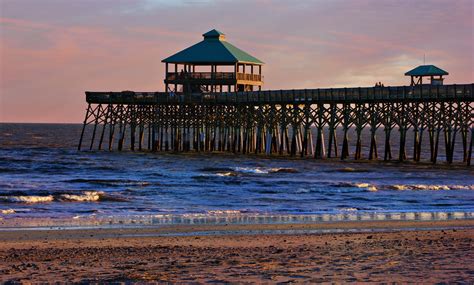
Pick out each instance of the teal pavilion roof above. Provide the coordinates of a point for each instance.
(214, 49)
(426, 70)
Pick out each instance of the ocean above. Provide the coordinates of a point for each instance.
(44, 180)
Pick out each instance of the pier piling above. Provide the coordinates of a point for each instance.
(288, 122)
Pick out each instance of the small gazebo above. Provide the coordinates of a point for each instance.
(212, 65)
(434, 73)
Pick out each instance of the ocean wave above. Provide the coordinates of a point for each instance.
(7, 211)
(86, 196)
(27, 199)
(404, 187)
(263, 170)
(348, 209)
(224, 212)
(240, 170)
(283, 170)
(367, 186)
(302, 190)
(251, 170)
(224, 174)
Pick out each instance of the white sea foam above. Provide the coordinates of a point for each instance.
(224, 212)
(372, 189)
(403, 187)
(7, 211)
(88, 196)
(348, 209)
(282, 170)
(406, 187)
(398, 187)
(302, 190)
(28, 199)
(362, 185)
(224, 174)
(255, 170)
(263, 170)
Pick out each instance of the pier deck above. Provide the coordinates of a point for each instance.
(289, 122)
(314, 96)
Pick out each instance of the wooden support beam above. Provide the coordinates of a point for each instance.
(88, 111)
(96, 121)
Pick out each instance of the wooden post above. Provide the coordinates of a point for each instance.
(99, 109)
(416, 143)
(113, 121)
(176, 77)
(166, 76)
(107, 114)
(373, 154)
(346, 125)
(468, 160)
(388, 147)
(464, 145)
(402, 154)
(122, 135)
(132, 134)
(319, 152)
(88, 111)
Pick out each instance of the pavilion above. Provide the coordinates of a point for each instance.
(213, 65)
(430, 71)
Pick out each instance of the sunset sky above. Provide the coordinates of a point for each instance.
(52, 51)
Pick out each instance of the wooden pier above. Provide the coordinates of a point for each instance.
(195, 114)
(305, 122)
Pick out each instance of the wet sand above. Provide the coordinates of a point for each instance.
(395, 251)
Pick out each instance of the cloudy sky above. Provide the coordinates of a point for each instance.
(53, 50)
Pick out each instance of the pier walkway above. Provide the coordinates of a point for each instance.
(290, 122)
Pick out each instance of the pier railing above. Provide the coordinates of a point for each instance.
(303, 96)
(212, 76)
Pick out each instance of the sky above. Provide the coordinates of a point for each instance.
(53, 50)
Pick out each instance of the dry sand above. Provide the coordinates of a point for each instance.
(402, 251)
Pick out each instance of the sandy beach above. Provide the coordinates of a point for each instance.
(364, 252)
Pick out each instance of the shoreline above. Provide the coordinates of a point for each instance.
(138, 230)
(231, 217)
(435, 251)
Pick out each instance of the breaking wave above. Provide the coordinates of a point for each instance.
(224, 212)
(27, 199)
(430, 187)
(404, 187)
(86, 196)
(241, 171)
(263, 170)
(7, 211)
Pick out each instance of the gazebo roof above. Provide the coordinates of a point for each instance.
(426, 70)
(214, 49)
